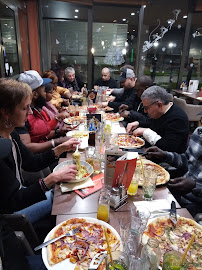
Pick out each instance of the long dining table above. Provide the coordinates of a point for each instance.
(71, 205)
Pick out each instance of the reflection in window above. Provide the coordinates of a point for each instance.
(162, 60)
(8, 34)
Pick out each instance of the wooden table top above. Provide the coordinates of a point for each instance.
(190, 96)
(72, 203)
(115, 216)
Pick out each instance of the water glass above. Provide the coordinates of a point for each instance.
(120, 260)
(139, 218)
(149, 184)
(103, 205)
(137, 263)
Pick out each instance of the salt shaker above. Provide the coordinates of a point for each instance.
(115, 197)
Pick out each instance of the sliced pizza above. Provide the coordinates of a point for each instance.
(177, 238)
(82, 247)
(114, 117)
(129, 141)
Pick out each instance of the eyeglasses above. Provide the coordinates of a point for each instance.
(147, 107)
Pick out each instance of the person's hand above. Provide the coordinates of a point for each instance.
(111, 98)
(139, 131)
(109, 91)
(62, 115)
(104, 104)
(75, 93)
(65, 102)
(70, 144)
(124, 114)
(131, 126)
(123, 107)
(155, 152)
(67, 95)
(65, 174)
(181, 184)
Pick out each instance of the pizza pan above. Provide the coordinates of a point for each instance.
(66, 264)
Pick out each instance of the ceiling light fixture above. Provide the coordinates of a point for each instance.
(92, 50)
(132, 14)
(124, 20)
(76, 10)
(156, 44)
(185, 17)
(75, 17)
(170, 45)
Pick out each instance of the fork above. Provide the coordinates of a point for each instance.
(71, 233)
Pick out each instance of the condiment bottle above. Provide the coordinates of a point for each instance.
(115, 197)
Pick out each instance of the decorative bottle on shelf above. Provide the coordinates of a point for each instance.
(92, 131)
(153, 253)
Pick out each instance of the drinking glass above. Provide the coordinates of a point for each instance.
(72, 110)
(97, 162)
(120, 260)
(103, 205)
(132, 189)
(89, 154)
(139, 218)
(149, 184)
(172, 261)
(137, 263)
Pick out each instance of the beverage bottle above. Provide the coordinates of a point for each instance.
(85, 91)
(92, 130)
(153, 253)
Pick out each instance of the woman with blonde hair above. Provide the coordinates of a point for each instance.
(34, 201)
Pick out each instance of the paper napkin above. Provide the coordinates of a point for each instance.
(66, 187)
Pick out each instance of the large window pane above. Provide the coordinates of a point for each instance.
(163, 36)
(67, 39)
(8, 40)
(115, 32)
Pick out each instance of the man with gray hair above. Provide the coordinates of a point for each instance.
(168, 126)
(72, 81)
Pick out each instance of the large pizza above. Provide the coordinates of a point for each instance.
(162, 175)
(176, 238)
(70, 120)
(114, 117)
(129, 141)
(80, 249)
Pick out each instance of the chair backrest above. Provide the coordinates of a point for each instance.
(191, 110)
(21, 223)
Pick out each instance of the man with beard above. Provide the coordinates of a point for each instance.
(127, 80)
(37, 134)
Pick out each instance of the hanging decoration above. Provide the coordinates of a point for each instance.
(114, 55)
(163, 30)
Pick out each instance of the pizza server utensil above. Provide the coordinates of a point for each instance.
(173, 213)
(70, 233)
(97, 259)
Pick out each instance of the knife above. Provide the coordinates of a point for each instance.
(173, 213)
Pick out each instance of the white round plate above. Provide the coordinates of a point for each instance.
(131, 147)
(70, 162)
(66, 264)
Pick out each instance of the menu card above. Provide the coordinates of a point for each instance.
(97, 180)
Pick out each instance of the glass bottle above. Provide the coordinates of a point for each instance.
(152, 251)
(92, 130)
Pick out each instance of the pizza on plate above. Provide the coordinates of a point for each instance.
(162, 175)
(176, 238)
(82, 247)
(72, 119)
(129, 141)
(114, 117)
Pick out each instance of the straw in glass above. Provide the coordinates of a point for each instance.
(188, 247)
(109, 249)
(142, 166)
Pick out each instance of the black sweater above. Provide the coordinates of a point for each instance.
(173, 127)
(127, 98)
(11, 197)
(111, 83)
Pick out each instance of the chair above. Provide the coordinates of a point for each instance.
(191, 110)
(23, 230)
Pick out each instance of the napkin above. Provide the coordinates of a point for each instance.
(154, 205)
(66, 187)
(116, 128)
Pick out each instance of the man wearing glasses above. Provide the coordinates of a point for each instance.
(168, 125)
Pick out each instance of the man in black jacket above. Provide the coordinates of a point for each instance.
(106, 79)
(168, 126)
(127, 80)
(136, 112)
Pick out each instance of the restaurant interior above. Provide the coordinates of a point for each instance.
(124, 201)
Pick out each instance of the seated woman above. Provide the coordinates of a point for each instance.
(61, 95)
(51, 114)
(37, 134)
(34, 201)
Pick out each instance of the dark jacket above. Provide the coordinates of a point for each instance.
(173, 127)
(77, 84)
(127, 98)
(111, 83)
(11, 197)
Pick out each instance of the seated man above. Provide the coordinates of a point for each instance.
(187, 189)
(127, 80)
(37, 134)
(73, 82)
(168, 126)
(136, 112)
(106, 79)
